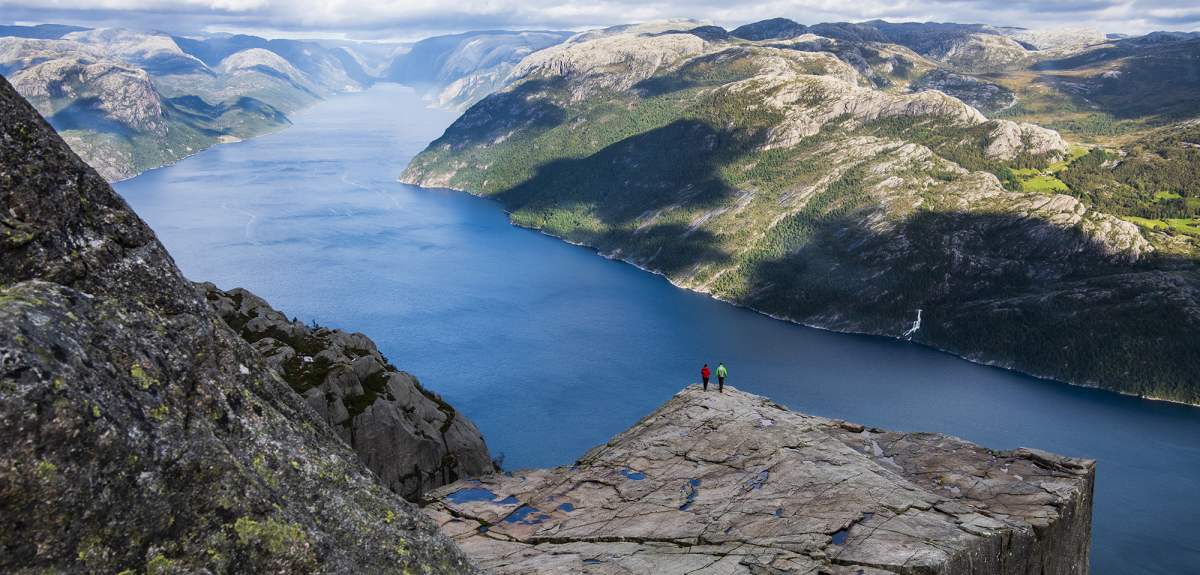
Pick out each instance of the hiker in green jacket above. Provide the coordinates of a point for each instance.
(722, 373)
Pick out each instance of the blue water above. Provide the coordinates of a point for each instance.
(552, 349)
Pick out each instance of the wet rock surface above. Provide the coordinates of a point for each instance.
(141, 433)
(408, 435)
(734, 483)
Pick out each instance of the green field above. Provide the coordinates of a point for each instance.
(1043, 184)
(1189, 226)
(1073, 153)
(1164, 195)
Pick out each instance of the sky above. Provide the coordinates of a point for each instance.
(412, 19)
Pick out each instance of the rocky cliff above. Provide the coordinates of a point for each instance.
(408, 435)
(141, 433)
(735, 484)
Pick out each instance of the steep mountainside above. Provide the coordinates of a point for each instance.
(141, 433)
(790, 177)
(460, 69)
(130, 101)
(406, 434)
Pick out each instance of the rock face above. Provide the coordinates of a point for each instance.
(734, 483)
(141, 433)
(409, 436)
(980, 94)
(119, 94)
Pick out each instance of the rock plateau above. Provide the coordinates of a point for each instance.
(733, 483)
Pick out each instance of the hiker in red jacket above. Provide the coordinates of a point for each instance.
(704, 374)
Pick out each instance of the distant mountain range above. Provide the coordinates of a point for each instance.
(130, 101)
(461, 69)
(1021, 198)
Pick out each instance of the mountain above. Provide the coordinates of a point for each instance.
(142, 433)
(130, 101)
(40, 31)
(459, 69)
(331, 69)
(811, 178)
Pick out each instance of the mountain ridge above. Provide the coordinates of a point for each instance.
(708, 161)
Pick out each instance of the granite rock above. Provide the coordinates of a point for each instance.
(408, 435)
(734, 483)
(141, 433)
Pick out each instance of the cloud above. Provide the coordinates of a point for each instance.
(382, 18)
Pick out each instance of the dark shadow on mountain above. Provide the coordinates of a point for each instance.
(276, 74)
(1156, 80)
(1018, 291)
(676, 164)
(528, 108)
(173, 64)
(205, 117)
(255, 106)
(670, 249)
(196, 107)
(706, 33)
(85, 114)
(708, 70)
(772, 29)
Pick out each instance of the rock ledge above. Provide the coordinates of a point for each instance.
(734, 483)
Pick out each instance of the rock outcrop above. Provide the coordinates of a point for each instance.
(141, 433)
(117, 93)
(734, 483)
(408, 435)
(985, 96)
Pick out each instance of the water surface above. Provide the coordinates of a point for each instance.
(552, 349)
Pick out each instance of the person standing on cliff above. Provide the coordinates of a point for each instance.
(722, 373)
(704, 375)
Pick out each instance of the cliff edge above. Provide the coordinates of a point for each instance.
(141, 433)
(734, 483)
(408, 435)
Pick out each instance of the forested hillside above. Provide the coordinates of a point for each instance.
(817, 179)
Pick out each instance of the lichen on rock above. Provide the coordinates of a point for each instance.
(142, 434)
(408, 435)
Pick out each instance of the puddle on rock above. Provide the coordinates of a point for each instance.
(839, 538)
(526, 515)
(634, 475)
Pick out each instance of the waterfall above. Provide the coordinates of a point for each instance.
(915, 326)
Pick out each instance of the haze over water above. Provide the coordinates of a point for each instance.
(551, 349)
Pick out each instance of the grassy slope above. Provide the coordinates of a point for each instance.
(848, 229)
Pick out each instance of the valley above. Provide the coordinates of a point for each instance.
(532, 338)
(952, 220)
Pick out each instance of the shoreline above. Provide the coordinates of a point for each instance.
(997, 364)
